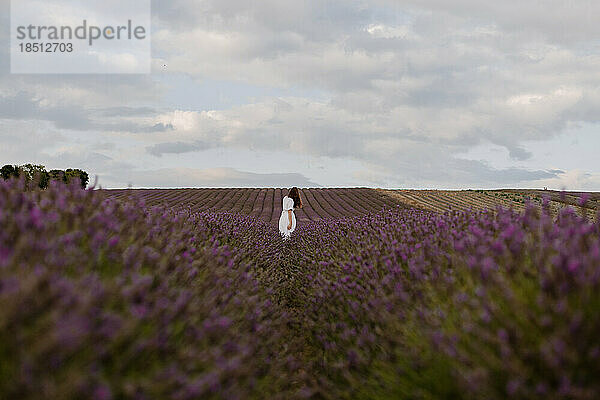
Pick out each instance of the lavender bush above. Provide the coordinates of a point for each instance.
(101, 299)
(410, 304)
(114, 299)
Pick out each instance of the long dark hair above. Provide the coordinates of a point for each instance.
(294, 194)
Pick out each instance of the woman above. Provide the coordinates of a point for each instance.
(287, 221)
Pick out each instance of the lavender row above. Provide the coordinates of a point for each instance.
(411, 304)
(105, 299)
(265, 203)
(109, 298)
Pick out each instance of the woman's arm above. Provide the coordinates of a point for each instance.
(290, 217)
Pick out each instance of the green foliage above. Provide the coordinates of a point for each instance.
(57, 175)
(38, 175)
(79, 174)
(9, 171)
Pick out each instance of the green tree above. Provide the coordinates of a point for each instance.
(36, 174)
(9, 171)
(78, 174)
(57, 175)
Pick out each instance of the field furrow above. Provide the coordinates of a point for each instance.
(320, 203)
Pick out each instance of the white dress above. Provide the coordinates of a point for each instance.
(284, 220)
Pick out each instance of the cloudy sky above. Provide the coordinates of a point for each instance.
(378, 93)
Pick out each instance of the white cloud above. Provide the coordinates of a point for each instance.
(390, 32)
(212, 177)
(575, 179)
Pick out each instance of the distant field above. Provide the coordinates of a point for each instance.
(267, 203)
(517, 199)
(322, 203)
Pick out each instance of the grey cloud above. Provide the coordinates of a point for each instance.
(124, 111)
(484, 175)
(105, 91)
(175, 148)
(214, 177)
(444, 91)
(105, 146)
(23, 106)
(364, 41)
(160, 127)
(431, 164)
(518, 153)
(313, 19)
(450, 173)
(559, 21)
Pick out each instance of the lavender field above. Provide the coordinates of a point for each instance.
(109, 298)
(265, 203)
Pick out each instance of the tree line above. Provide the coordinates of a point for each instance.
(39, 175)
